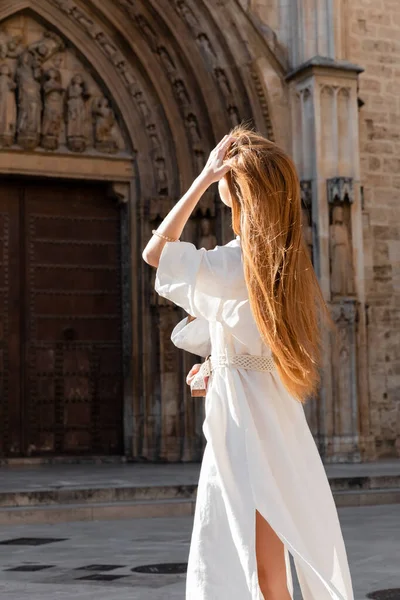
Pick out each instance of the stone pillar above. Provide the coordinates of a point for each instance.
(323, 96)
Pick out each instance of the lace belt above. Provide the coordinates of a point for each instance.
(251, 362)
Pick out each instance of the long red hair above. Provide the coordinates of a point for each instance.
(284, 293)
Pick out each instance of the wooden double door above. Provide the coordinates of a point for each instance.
(61, 382)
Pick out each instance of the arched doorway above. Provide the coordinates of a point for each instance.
(128, 97)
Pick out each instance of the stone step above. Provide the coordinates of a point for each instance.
(101, 511)
(370, 497)
(92, 495)
(150, 508)
(364, 482)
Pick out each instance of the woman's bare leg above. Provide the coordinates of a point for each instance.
(271, 564)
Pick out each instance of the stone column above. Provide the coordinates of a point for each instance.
(323, 96)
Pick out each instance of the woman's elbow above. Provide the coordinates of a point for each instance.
(149, 258)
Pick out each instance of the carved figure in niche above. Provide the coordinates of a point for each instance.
(207, 239)
(106, 45)
(342, 279)
(162, 179)
(199, 160)
(167, 61)
(153, 135)
(4, 39)
(223, 83)
(181, 94)
(307, 232)
(142, 105)
(187, 15)
(77, 119)
(29, 101)
(8, 106)
(83, 20)
(105, 124)
(147, 32)
(208, 50)
(45, 48)
(15, 47)
(234, 116)
(53, 109)
(193, 129)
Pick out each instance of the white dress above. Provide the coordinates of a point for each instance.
(260, 453)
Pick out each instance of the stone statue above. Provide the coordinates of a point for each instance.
(167, 61)
(15, 47)
(342, 279)
(233, 116)
(307, 232)
(4, 39)
(208, 50)
(162, 179)
(77, 119)
(8, 106)
(193, 129)
(153, 136)
(223, 83)
(207, 239)
(147, 32)
(105, 138)
(53, 109)
(181, 94)
(46, 47)
(187, 15)
(29, 101)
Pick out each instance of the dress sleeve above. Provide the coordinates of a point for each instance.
(191, 279)
(193, 337)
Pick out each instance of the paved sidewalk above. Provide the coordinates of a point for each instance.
(113, 548)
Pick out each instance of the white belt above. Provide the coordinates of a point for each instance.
(251, 362)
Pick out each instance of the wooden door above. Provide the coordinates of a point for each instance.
(68, 325)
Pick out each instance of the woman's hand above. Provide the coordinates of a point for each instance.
(215, 167)
(193, 371)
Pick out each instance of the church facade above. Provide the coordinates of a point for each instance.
(108, 110)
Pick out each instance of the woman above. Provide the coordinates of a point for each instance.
(256, 304)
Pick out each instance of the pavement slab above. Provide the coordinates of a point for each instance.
(94, 560)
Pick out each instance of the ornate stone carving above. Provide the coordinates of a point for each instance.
(33, 106)
(8, 106)
(29, 101)
(207, 49)
(77, 94)
(340, 189)
(224, 84)
(147, 32)
(162, 179)
(45, 48)
(307, 231)
(263, 102)
(53, 109)
(187, 15)
(342, 277)
(234, 116)
(10, 47)
(207, 239)
(182, 95)
(167, 61)
(105, 139)
(306, 193)
(193, 129)
(119, 192)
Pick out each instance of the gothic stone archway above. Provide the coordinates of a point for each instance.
(134, 95)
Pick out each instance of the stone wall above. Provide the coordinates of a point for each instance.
(373, 41)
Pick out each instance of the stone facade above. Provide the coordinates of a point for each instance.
(135, 94)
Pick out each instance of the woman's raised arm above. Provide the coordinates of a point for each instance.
(174, 223)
